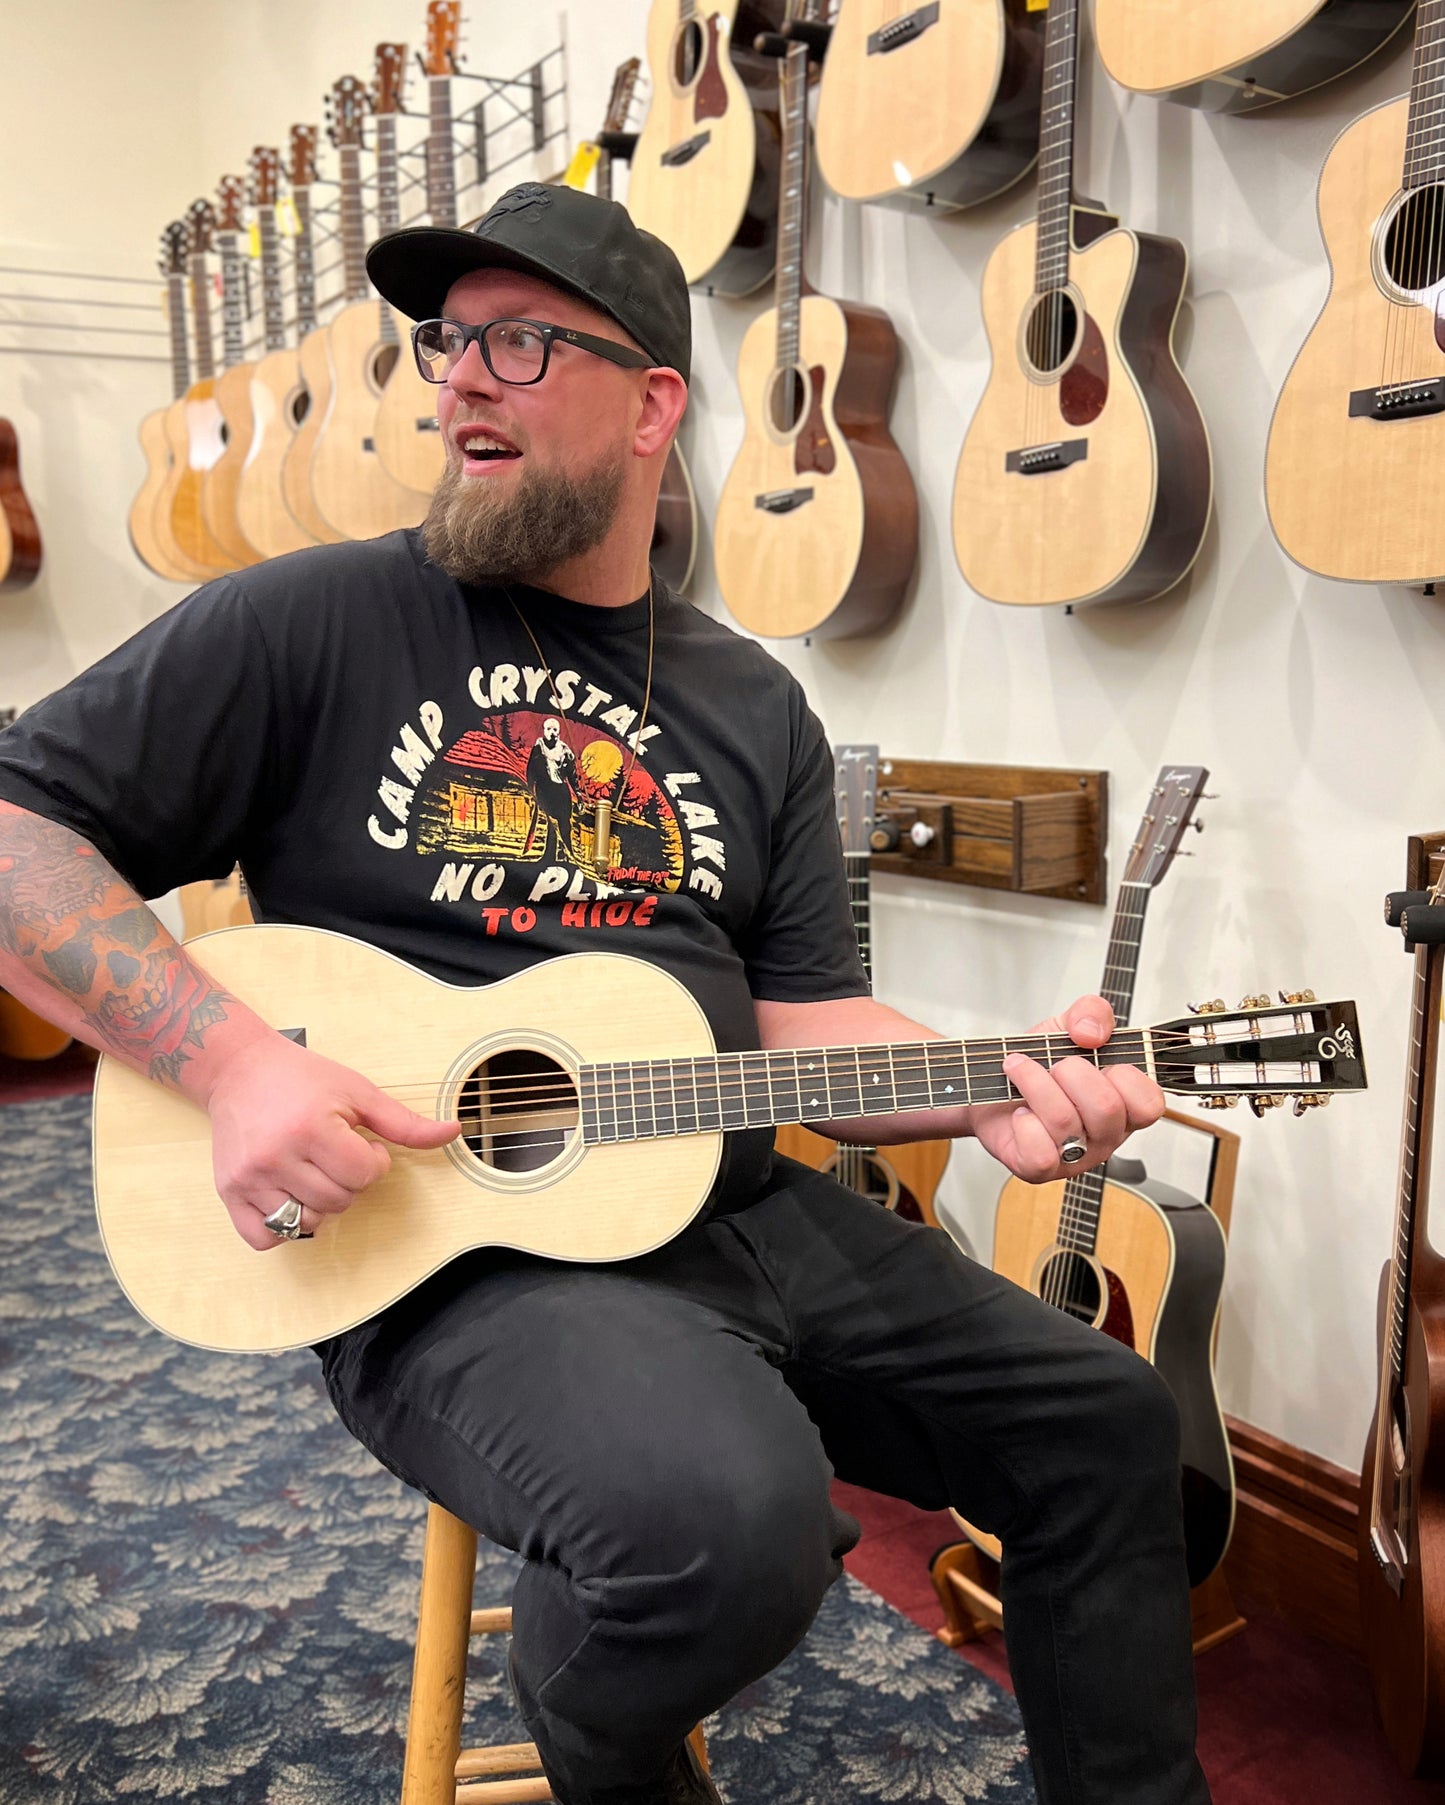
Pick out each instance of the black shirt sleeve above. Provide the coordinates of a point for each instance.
(801, 945)
(160, 755)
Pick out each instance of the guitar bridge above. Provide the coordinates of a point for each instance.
(782, 501)
(902, 31)
(684, 152)
(1038, 460)
(1399, 401)
(428, 423)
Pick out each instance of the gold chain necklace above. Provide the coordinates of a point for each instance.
(606, 805)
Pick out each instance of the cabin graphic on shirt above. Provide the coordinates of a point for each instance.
(522, 789)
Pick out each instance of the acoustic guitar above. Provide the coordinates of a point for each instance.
(1238, 56)
(25, 1035)
(817, 524)
(933, 105)
(1352, 475)
(705, 170)
(148, 524)
(1402, 1486)
(1138, 1259)
(312, 357)
(279, 397)
(194, 428)
(593, 1104)
(1086, 473)
(902, 1178)
(222, 479)
(351, 487)
(408, 435)
(20, 550)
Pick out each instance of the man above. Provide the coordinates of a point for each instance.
(550, 771)
(655, 1437)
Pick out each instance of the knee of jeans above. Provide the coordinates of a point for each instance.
(1132, 1418)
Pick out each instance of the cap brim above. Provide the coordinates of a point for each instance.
(414, 270)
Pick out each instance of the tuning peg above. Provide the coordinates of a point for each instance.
(1209, 795)
(1260, 1101)
(1257, 1002)
(1197, 825)
(1217, 1007)
(1226, 1101)
(1297, 996)
(1310, 1100)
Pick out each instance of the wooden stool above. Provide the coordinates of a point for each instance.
(437, 1766)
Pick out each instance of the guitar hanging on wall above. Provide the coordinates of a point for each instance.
(1240, 56)
(202, 442)
(934, 105)
(162, 433)
(705, 170)
(222, 481)
(20, 551)
(817, 523)
(1357, 445)
(1086, 473)
(1402, 1495)
(312, 355)
(903, 1177)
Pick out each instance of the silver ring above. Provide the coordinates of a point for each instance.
(1072, 1151)
(285, 1221)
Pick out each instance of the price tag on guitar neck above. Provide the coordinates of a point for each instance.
(288, 220)
(1036, 6)
(585, 159)
(253, 240)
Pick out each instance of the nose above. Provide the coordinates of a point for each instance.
(469, 376)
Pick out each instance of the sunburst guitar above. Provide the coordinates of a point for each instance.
(194, 433)
(817, 524)
(1356, 454)
(1086, 474)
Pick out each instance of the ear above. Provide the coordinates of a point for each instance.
(662, 407)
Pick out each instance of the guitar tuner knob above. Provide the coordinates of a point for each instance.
(1297, 996)
(1310, 1100)
(1218, 1102)
(1262, 1101)
(1217, 1007)
(1197, 825)
(1255, 1002)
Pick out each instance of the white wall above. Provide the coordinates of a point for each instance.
(1319, 708)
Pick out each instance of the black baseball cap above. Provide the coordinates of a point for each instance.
(586, 245)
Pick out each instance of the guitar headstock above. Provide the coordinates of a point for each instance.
(265, 175)
(232, 192)
(174, 241)
(855, 787)
(1262, 1051)
(1176, 790)
(624, 88)
(303, 155)
(443, 34)
(200, 227)
(346, 109)
(389, 79)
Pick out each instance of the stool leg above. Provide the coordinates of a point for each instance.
(434, 1723)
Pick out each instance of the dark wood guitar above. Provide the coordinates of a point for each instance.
(705, 170)
(1402, 1486)
(1239, 56)
(905, 1177)
(817, 524)
(19, 531)
(933, 105)
(1086, 473)
(1138, 1259)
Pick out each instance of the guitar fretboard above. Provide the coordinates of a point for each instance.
(274, 307)
(1056, 146)
(1425, 133)
(441, 190)
(353, 224)
(201, 316)
(388, 204)
(1414, 1173)
(654, 1098)
(303, 266)
(233, 312)
(176, 321)
(792, 203)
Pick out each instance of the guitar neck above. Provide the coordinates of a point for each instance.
(388, 204)
(792, 203)
(1425, 133)
(441, 191)
(1056, 146)
(304, 264)
(275, 312)
(201, 316)
(176, 321)
(232, 303)
(353, 224)
(1415, 1141)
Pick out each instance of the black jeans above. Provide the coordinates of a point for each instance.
(656, 1439)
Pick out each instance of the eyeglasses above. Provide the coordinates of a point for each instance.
(515, 351)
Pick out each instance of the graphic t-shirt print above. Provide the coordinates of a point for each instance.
(508, 804)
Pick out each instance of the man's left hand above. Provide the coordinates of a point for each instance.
(1072, 1100)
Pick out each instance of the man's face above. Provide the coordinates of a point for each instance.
(549, 733)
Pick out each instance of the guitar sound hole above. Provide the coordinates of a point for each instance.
(300, 406)
(383, 364)
(787, 400)
(518, 1111)
(865, 1174)
(1053, 326)
(1069, 1283)
(1415, 241)
(687, 56)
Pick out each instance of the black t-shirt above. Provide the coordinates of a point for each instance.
(370, 740)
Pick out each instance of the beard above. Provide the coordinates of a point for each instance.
(479, 535)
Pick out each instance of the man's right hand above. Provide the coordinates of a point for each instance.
(285, 1123)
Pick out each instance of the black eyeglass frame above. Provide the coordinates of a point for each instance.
(606, 348)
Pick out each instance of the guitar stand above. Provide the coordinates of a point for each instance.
(965, 1574)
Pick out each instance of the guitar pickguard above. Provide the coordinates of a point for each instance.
(813, 450)
(1118, 1321)
(1084, 386)
(710, 101)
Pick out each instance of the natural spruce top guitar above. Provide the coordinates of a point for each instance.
(593, 1104)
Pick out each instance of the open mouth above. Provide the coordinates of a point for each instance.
(483, 450)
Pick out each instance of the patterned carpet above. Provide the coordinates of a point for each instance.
(208, 1590)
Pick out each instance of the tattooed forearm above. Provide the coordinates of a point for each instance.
(72, 923)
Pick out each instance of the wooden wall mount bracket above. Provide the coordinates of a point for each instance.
(1036, 830)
